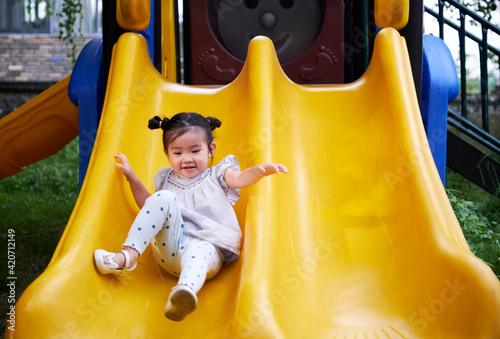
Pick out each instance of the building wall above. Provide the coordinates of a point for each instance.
(29, 64)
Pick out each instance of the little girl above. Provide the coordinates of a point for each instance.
(189, 219)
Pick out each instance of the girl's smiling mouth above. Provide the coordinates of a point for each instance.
(189, 169)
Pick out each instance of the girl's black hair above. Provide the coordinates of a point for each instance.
(183, 122)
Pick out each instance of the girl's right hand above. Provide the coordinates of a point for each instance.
(138, 190)
(125, 167)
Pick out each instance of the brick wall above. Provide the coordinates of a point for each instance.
(33, 58)
(29, 64)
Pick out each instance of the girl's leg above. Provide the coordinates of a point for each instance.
(201, 260)
(160, 213)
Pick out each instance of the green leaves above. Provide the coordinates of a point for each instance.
(480, 232)
(71, 16)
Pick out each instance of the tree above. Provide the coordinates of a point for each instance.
(484, 7)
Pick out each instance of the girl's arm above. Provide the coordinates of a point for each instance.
(249, 176)
(138, 190)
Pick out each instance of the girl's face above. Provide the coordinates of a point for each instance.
(189, 154)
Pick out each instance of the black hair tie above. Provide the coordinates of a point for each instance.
(214, 123)
(157, 122)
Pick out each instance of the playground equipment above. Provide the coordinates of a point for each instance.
(439, 87)
(359, 240)
(37, 129)
(308, 36)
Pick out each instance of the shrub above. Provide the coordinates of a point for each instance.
(479, 231)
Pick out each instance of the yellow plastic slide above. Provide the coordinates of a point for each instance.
(37, 129)
(357, 241)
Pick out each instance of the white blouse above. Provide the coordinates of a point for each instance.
(206, 205)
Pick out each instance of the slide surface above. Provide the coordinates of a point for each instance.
(357, 241)
(37, 129)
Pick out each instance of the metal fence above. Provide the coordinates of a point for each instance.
(460, 121)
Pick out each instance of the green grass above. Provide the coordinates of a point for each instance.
(36, 203)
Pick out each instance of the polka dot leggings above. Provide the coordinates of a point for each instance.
(160, 222)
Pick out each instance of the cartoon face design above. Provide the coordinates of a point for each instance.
(292, 25)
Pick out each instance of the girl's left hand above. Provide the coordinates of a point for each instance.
(251, 175)
(268, 169)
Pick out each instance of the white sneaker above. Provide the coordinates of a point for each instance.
(181, 302)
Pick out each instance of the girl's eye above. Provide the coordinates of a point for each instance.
(196, 151)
